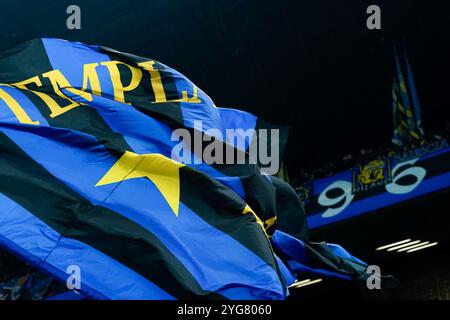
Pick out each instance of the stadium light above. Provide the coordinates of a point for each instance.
(304, 283)
(423, 247)
(403, 245)
(414, 246)
(407, 245)
(393, 244)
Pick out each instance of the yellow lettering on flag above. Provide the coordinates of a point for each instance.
(156, 82)
(158, 88)
(118, 87)
(15, 107)
(90, 76)
(58, 82)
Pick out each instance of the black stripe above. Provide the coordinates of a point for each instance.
(27, 183)
(24, 61)
(283, 137)
(291, 215)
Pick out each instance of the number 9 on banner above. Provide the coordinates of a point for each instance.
(345, 196)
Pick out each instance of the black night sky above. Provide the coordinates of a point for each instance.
(309, 64)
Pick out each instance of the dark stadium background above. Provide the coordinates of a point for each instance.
(311, 65)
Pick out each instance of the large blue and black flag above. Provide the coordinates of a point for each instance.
(88, 179)
(407, 114)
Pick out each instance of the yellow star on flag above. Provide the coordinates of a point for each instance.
(162, 171)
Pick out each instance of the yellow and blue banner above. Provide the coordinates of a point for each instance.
(407, 114)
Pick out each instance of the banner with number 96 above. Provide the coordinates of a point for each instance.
(380, 183)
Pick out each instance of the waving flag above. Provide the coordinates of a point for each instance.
(88, 181)
(405, 102)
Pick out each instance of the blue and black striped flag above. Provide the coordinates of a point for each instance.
(405, 103)
(88, 180)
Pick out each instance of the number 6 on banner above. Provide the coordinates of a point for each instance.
(325, 201)
(417, 172)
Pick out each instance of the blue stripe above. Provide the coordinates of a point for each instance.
(237, 119)
(101, 277)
